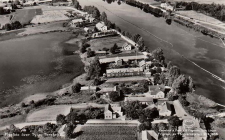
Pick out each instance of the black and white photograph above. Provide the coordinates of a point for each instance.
(112, 69)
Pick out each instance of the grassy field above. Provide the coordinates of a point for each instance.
(108, 133)
(48, 113)
(25, 16)
(13, 120)
(106, 42)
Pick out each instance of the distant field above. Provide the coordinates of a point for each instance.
(205, 1)
(108, 133)
(25, 16)
(200, 16)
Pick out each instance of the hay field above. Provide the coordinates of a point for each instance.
(205, 1)
(50, 16)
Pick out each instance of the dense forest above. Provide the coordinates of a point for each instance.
(214, 10)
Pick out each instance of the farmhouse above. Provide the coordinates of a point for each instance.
(149, 135)
(100, 53)
(62, 131)
(167, 6)
(108, 89)
(167, 109)
(124, 58)
(89, 88)
(87, 30)
(126, 47)
(76, 22)
(124, 72)
(143, 100)
(101, 26)
(156, 92)
(112, 111)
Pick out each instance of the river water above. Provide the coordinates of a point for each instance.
(36, 64)
(178, 42)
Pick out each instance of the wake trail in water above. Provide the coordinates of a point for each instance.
(145, 30)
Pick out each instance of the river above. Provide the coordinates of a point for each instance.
(36, 64)
(184, 47)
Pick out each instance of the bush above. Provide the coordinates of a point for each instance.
(76, 88)
(114, 96)
(23, 104)
(8, 27)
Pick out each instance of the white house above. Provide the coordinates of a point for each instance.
(75, 22)
(155, 92)
(166, 110)
(166, 6)
(89, 88)
(126, 47)
(101, 26)
(62, 132)
(112, 111)
(149, 135)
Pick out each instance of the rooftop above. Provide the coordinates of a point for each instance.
(124, 70)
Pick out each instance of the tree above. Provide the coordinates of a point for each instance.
(114, 96)
(136, 38)
(103, 17)
(174, 121)
(82, 49)
(77, 5)
(16, 25)
(90, 53)
(95, 69)
(61, 119)
(2, 11)
(8, 27)
(141, 127)
(114, 48)
(23, 104)
(158, 70)
(76, 88)
(158, 54)
(97, 81)
(156, 78)
(181, 85)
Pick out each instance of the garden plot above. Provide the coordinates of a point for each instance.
(109, 132)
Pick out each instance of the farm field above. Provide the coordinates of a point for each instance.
(50, 16)
(50, 113)
(108, 133)
(25, 16)
(106, 42)
(200, 16)
(205, 1)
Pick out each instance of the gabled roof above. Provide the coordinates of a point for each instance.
(88, 88)
(141, 99)
(124, 70)
(166, 106)
(112, 108)
(149, 135)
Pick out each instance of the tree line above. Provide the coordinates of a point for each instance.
(214, 10)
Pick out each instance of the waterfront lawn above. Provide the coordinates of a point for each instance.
(109, 132)
(106, 42)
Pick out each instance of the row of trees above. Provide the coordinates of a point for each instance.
(13, 26)
(214, 10)
(145, 7)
